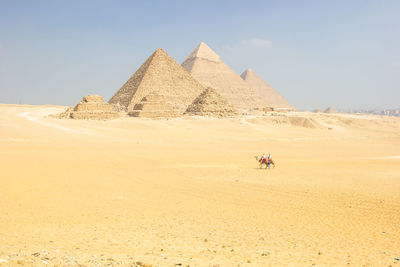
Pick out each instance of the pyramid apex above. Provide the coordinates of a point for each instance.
(246, 72)
(249, 71)
(205, 52)
(160, 51)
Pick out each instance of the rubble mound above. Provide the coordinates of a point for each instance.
(93, 107)
(330, 110)
(268, 109)
(153, 106)
(302, 122)
(66, 114)
(210, 103)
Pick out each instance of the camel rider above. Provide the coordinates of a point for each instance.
(269, 161)
(263, 158)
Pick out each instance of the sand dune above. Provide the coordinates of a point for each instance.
(188, 191)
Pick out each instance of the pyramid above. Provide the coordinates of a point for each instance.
(207, 67)
(163, 75)
(153, 106)
(274, 99)
(93, 107)
(210, 103)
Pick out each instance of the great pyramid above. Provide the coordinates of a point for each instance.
(163, 75)
(207, 67)
(210, 103)
(93, 107)
(153, 106)
(273, 98)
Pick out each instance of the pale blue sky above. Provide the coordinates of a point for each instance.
(343, 54)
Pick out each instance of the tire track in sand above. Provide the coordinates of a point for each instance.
(35, 116)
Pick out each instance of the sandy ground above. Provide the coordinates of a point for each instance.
(188, 191)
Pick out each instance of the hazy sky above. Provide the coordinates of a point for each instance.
(343, 54)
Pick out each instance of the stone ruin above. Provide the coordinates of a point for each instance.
(93, 107)
(153, 106)
(210, 103)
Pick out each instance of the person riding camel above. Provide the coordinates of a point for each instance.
(269, 161)
(263, 158)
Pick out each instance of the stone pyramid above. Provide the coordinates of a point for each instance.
(207, 67)
(210, 103)
(274, 99)
(93, 107)
(163, 75)
(153, 106)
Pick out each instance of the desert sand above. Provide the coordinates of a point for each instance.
(188, 191)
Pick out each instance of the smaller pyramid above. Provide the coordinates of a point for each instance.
(210, 103)
(93, 107)
(153, 106)
(273, 98)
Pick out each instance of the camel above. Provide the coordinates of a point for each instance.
(267, 162)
